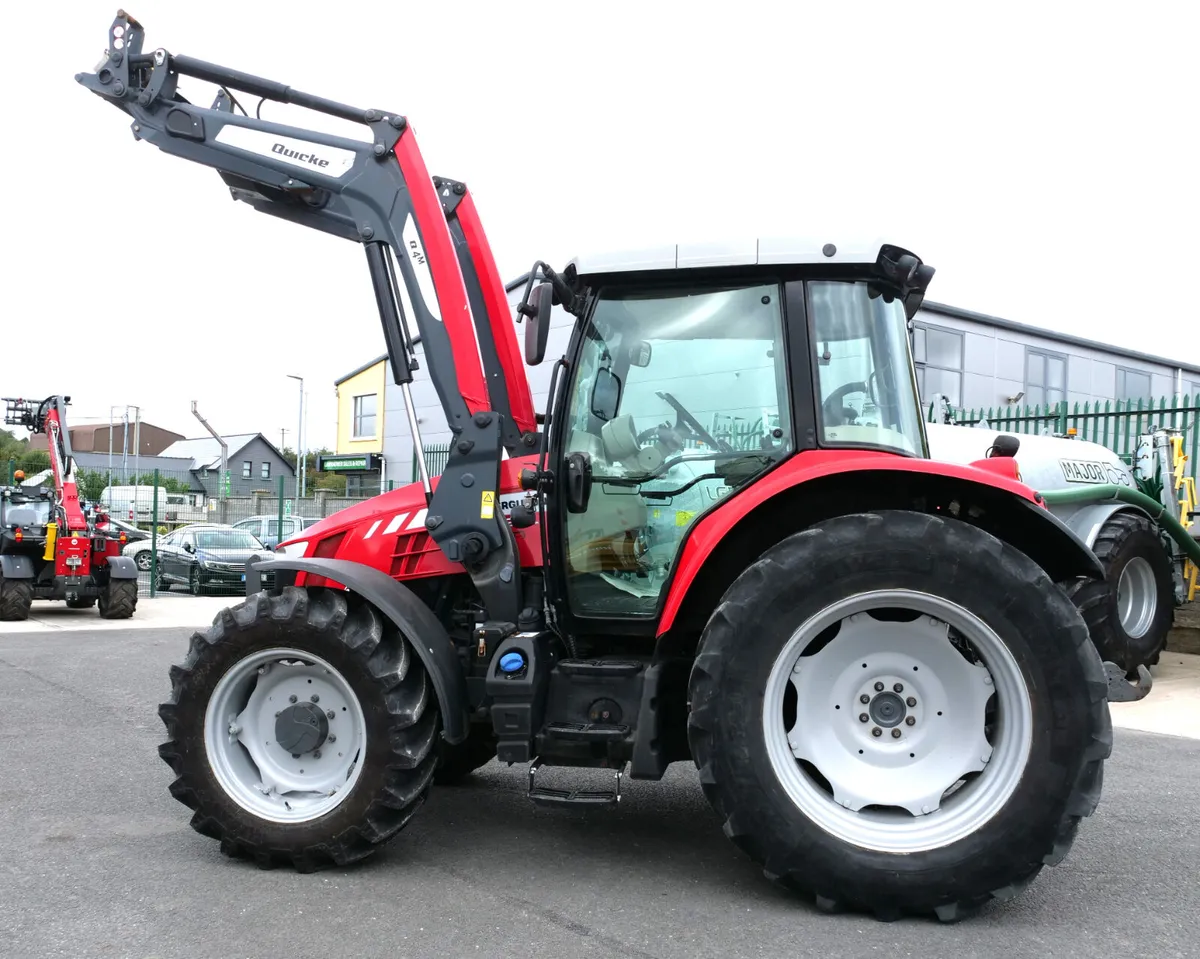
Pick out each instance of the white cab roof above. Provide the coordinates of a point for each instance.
(732, 252)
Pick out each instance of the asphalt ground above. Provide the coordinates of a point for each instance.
(98, 860)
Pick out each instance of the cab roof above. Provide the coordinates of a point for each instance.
(764, 251)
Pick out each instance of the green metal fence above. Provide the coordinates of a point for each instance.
(436, 456)
(1115, 424)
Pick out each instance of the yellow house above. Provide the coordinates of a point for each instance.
(360, 429)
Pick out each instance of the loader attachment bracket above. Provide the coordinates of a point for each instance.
(1121, 690)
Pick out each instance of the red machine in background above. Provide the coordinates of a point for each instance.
(49, 547)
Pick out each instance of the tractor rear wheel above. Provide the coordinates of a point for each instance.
(933, 719)
(119, 599)
(1130, 612)
(302, 730)
(16, 599)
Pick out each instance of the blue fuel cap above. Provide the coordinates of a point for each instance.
(512, 662)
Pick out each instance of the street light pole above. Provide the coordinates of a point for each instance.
(299, 436)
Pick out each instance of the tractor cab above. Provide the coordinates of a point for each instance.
(688, 382)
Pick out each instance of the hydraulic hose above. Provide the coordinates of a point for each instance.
(1158, 512)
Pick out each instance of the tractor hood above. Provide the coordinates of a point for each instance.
(410, 499)
(1046, 462)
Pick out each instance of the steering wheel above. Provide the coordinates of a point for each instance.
(693, 424)
(833, 407)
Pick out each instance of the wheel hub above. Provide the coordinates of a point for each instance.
(891, 745)
(301, 728)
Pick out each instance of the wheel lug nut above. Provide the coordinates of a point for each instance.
(912, 700)
(329, 714)
(876, 732)
(895, 734)
(296, 756)
(292, 698)
(317, 752)
(899, 687)
(864, 699)
(909, 721)
(863, 717)
(316, 698)
(332, 738)
(879, 687)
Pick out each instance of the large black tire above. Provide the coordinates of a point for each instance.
(16, 598)
(402, 726)
(456, 763)
(119, 599)
(942, 557)
(1126, 538)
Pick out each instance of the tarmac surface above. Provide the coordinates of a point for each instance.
(100, 861)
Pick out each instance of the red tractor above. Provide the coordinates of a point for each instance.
(49, 547)
(723, 543)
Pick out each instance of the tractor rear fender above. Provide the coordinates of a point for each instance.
(820, 484)
(16, 567)
(400, 605)
(122, 567)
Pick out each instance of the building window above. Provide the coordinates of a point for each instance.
(1045, 378)
(938, 356)
(266, 471)
(246, 466)
(1132, 385)
(364, 416)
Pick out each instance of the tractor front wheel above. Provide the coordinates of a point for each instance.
(16, 599)
(302, 730)
(899, 714)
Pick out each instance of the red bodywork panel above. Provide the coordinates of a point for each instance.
(388, 532)
(520, 398)
(447, 277)
(801, 468)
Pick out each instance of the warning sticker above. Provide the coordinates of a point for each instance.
(487, 504)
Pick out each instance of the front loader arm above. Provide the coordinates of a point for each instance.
(380, 194)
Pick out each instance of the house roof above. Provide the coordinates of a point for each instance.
(1066, 338)
(205, 451)
(362, 369)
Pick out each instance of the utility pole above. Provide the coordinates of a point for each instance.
(282, 438)
(299, 437)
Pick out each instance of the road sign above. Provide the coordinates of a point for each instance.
(287, 507)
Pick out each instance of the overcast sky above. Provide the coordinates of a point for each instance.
(1041, 156)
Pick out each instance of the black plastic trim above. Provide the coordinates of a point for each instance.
(122, 567)
(16, 567)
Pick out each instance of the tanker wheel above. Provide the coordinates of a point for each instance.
(1131, 611)
(933, 718)
(456, 763)
(16, 599)
(119, 599)
(302, 729)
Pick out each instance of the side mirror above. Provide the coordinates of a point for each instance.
(189, 547)
(579, 482)
(606, 395)
(537, 322)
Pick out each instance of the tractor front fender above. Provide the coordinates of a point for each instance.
(122, 567)
(399, 604)
(16, 567)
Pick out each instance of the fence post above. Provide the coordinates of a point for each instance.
(154, 537)
(279, 528)
(1062, 416)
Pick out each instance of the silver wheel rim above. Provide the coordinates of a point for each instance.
(1137, 597)
(143, 561)
(880, 791)
(240, 736)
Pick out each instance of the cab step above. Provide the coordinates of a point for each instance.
(597, 668)
(587, 732)
(549, 796)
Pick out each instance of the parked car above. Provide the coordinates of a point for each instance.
(140, 549)
(132, 533)
(205, 556)
(266, 527)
